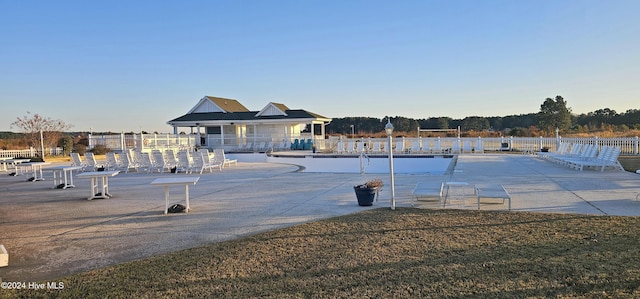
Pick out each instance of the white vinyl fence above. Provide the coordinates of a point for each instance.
(148, 142)
(143, 142)
(30, 153)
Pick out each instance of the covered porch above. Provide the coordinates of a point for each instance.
(227, 124)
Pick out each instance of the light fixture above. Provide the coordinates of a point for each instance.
(389, 130)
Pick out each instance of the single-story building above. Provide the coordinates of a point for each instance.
(226, 123)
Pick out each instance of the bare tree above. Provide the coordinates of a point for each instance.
(32, 124)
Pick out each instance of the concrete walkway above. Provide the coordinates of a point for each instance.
(50, 233)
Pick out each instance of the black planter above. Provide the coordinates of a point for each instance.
(365, 196)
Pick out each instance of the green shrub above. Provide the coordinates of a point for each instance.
(100, 149)
(66, 143)
(80, 148)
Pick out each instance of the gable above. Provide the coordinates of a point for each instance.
(273, 109)
(214, 104)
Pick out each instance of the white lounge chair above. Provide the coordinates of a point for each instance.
(429, 190)
(437, 147)
(112, 162)
(426, 146)
(76, 160)
(350, 147)
(467, 146)
(415, 147)
(160, 162)
(90, 159)
(455, 147)
(399, 147)
(359, 147)
(126, 163)
(208, 161)
(198, 163)
(608, 157)
(493, 191)
(170, 159)
(220, 157)
(184, 162)
(146, 162)
(479, 149)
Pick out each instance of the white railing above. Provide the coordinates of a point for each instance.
(148, 142)
(628, 145)
(143, 142)
(30, 153)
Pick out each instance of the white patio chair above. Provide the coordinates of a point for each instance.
(283, 146)
(426, 146)
(350, 147)
(91, 161)
(184, 162)
(198, 162)
(455, 147)
(359, 147)
(415, 147)
(146, 162)
(221, 158)
(126, 162)
(340, 147)
(437, 147)
(467, 146)
(160, 162)
(479, 147)
(112, 161)
(399, 147)
(170, 159)
(208, 161)
(76, 160)
(375, 147)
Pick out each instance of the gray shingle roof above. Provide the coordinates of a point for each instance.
(245, 116)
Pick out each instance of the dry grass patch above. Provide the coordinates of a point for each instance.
(407, 253)
(630, 163)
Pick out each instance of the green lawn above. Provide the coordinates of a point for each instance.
(407, 253)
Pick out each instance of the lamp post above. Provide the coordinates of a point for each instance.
(352, 131)
(389, 129)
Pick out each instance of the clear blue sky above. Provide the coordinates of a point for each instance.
(126, 65)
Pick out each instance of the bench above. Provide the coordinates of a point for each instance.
(493, 191)
(429, 190)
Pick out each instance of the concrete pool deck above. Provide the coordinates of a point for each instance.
(50, 233)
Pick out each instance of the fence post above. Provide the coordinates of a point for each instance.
(122, 141)
(635, 145)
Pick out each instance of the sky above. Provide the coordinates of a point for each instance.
(124, 66)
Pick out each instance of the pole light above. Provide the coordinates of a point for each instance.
(389, 130)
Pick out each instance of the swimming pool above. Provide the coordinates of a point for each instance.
(402, 163)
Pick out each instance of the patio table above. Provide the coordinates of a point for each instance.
(32, 167)
(63, 176)
(166, 182)
(13, 163)
(99, 183)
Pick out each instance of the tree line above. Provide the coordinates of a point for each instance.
(554, 113)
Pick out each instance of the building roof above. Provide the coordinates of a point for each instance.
(228, 105)
(215, 104)
(220, 111)
(250, 116)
